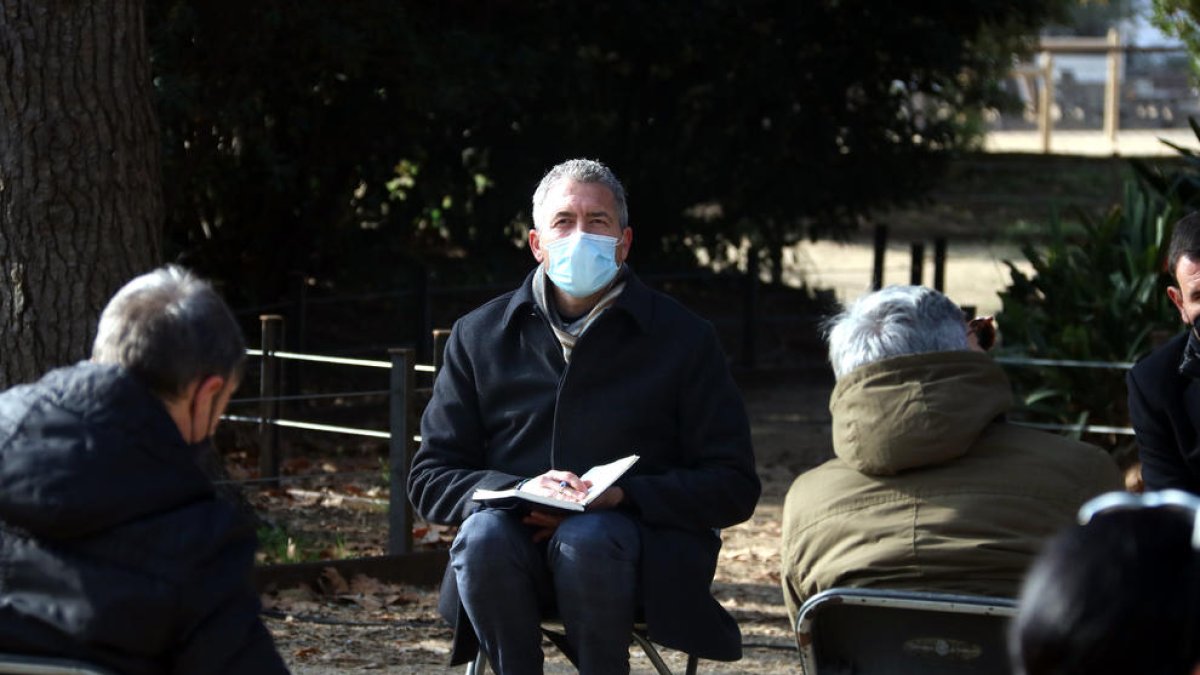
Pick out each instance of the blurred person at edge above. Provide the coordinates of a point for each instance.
(1164, 396)
(1119, 595)
(930, 488)
(581, 365)
(114, 547)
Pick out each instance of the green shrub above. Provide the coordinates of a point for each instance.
(1096, 294)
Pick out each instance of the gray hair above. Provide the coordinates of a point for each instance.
(169, 328)
(582, 171)
(894, 321)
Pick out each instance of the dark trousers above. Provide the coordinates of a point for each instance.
(586, 574)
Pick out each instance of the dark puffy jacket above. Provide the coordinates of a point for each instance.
(113, 546)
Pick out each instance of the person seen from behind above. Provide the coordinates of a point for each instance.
(931, 489)
(114, 548)
(1117, 595)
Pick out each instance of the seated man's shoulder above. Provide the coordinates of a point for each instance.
(1046, 457)
(486, 316)
(1163, 360)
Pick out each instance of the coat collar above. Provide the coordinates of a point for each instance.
(636, 300)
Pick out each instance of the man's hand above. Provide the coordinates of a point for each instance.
(555, 484)
(545, 522)
(566, 486)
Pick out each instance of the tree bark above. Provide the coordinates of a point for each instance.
(80, 187)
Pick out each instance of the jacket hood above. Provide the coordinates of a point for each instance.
(87, 447)
(915, 410)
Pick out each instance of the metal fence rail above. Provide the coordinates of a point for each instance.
(402, 442)
(1070, 363)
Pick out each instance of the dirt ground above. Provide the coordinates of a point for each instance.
(360, 625)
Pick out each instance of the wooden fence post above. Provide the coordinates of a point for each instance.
(939, 264)
(881, 237)
(269, 391)
(400, 449)
(916, 273)
(1112, 89)
(1046, 100)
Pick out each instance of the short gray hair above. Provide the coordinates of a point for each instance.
(169, 328)
(582, 171)
(894, 321)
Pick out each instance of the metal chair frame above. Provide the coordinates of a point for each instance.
(556, 633)
(808, 618)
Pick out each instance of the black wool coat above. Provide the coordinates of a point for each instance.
(1164, 406)
(648, 378)
(114, 548)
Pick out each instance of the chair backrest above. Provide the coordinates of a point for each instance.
(884, 632)
(47, 665)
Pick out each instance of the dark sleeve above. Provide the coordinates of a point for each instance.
(1162, 463)
(222, 631)
(449, 465)
(718, 486)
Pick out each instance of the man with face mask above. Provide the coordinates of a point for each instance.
(114, 548)
(1164, 396)
(581, 365)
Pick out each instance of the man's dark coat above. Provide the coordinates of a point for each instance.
(648, 378)
(113, 547)
(1164, 406)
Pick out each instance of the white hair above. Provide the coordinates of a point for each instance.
(581, 171)
(894, 321)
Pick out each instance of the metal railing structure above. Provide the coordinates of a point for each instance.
(1069, 363)
(1039, 78)
(401, 563)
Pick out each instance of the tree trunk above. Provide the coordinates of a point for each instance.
(80, 193)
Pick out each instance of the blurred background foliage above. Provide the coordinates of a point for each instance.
(363, 143)
(1098, 294)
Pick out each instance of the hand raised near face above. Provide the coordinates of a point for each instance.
(981, 333)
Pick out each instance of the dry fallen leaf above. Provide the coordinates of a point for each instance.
(331, 582)
(305, 653)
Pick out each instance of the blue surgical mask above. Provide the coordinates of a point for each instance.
(582, 264)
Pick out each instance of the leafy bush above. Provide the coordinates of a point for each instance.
(1097, 295)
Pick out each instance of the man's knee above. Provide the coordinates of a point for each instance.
(600, 535)
(489, 538)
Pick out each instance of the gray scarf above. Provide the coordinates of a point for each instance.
(569, 334)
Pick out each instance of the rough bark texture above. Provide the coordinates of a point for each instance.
(80, 193)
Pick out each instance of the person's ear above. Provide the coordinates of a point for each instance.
(1176, 296)
(623, 244)
(204, 405)
(535, 245)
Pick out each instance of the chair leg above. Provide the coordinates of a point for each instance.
(692, 664)
(479, 666)
(656, 659)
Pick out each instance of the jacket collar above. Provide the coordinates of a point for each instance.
(636, 300)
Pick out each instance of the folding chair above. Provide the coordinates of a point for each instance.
(47, 665)
(884, 632)
(555, 632)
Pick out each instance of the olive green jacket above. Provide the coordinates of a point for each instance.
(931, 489)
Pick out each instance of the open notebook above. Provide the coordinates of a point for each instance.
(602, 477)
